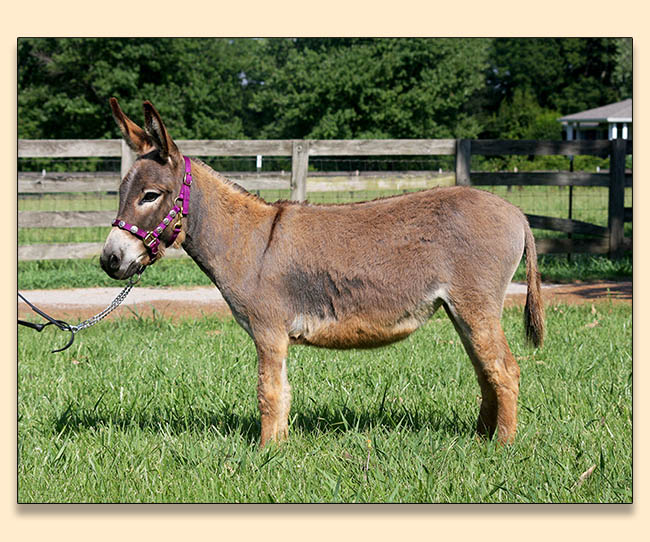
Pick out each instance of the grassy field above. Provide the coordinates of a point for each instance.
(146, 410)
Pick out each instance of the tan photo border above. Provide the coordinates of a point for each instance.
(551, 523)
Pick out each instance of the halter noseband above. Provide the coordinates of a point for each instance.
(151, 239)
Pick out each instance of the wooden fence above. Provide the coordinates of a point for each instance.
(609, 240)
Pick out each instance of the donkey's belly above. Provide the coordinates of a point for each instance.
(355, 331)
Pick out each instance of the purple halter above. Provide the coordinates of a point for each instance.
(151, 238)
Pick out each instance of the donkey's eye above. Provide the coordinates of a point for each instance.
(149, 197)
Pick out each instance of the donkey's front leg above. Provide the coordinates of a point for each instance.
(273, 390)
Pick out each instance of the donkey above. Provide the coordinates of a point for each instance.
(356, 275)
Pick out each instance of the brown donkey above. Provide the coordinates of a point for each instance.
(358, 275)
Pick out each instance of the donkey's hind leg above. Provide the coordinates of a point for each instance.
(273, 390)
(495, 367)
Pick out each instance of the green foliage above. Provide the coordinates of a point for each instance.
(623, 69)
(196, 84)
(373, 88)
(581, 267)
(318, 87)
(564, 74)
(521, 117)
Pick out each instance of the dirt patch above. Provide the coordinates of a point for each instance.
(166, 309)
(74, 306)
(578, 293)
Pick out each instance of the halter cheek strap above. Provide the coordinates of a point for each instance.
(151, 239)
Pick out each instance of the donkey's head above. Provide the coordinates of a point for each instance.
(147, 193)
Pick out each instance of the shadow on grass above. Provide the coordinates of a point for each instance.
(317, 419)
(323, 419)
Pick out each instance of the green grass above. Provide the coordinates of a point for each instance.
(146, 410)
(52, 274)
(78, 201)
(581, 267)
(33, 236)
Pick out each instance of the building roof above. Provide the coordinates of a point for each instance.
(617, 112)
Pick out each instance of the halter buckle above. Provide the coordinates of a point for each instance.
(187, 178)
(149, 239)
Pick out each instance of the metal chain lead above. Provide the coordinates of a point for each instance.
(115, 303)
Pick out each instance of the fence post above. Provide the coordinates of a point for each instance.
(299, 168)
(616, 208)
(128, 157)
(463, 161)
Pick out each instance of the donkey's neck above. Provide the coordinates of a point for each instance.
(227, 231)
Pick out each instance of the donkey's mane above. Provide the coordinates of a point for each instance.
(284, 202)
(220, 178)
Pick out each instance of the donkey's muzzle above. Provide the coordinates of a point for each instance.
(123, 255)
(116, 267)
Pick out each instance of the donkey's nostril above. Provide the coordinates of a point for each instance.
(113, 262)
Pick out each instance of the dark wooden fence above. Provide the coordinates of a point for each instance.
(609, 240)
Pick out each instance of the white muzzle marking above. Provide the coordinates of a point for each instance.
(129, 251)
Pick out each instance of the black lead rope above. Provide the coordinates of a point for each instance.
(62, 325)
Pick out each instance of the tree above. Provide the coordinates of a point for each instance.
(318, 87)
(521, 117)
(371, 88)
(197, 84)
(564, 74)
(623, 67)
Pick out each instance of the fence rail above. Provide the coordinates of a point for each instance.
(610, 239)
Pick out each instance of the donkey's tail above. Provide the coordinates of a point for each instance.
(534, 310)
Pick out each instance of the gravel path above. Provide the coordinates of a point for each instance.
(83, 297)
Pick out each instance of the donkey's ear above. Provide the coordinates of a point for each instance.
(136, 138)
(156, 130)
